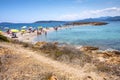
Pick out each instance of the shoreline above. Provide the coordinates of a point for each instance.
(29, 37)
(88, 59)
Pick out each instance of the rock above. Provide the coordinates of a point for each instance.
(88, 48)
(110, 57)
(88, 78)
(40, 43)
(113, 60)
(101, 59)
(53, 77)
(116, 52)
(56, 43)
(48, 46)
(87, 23)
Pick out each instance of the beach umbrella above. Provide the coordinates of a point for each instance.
(23, 30)
(39, 27)
(0, 31)
(24, 27)
(14, 30)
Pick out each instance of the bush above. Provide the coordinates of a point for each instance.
(3, 38)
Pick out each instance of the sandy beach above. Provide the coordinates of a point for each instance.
(29, 37)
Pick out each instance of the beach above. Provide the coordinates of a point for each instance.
(60, 40)
(78, 35)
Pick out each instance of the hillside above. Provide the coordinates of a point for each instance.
(50, 22)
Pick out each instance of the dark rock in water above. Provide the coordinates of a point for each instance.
(88, 48)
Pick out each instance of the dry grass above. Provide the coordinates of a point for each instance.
(66, 63)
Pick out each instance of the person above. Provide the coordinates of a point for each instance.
(56, 28)
(30, 30)
(45, 33)
(8, 31)
(14, 35)
(34, 30)
(39, 32)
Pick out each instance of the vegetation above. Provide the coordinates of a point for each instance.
(81, 60)
(3, 38)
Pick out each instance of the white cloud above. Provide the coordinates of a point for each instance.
(113, 11)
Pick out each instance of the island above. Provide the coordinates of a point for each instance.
(87, 23)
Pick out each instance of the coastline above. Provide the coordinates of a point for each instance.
(91, 60)
(29, 37)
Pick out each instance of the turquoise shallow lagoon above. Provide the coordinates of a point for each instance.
(106, 36)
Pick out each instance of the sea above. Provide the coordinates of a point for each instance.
(104, 37)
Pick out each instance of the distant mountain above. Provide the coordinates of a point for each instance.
(6, 23)
(116, 18)
(50, 22)
(108, 18)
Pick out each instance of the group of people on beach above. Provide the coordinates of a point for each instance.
(12, 34)
(39, 31)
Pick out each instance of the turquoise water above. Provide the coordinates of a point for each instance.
(106, 36)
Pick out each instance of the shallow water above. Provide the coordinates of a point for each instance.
(106, 36)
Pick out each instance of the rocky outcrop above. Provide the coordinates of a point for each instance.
(88, 48)
(110, 57)
(39, 44)
(87, 23)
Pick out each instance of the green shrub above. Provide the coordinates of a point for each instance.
(3, 38)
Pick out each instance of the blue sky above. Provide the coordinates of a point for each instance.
(34, 10)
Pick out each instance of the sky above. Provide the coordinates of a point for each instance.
(22, 11)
